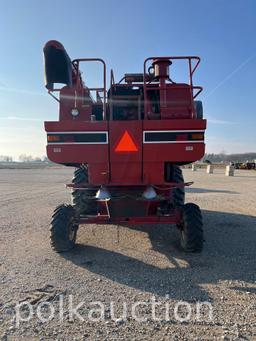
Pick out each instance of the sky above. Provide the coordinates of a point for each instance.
(124, 33)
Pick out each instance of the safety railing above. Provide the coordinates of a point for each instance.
(97, 89)
(195, 90)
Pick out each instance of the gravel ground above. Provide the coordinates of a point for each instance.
(126, 266)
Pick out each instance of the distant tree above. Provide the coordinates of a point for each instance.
(6, 158)
(230, 157)
(25, 158)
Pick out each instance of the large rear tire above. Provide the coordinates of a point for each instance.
(192, 236)
(64, 228)
(82, 200)
(179, 192)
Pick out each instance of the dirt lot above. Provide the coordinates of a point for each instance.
(127, 266)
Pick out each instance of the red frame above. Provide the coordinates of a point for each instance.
(174, 218)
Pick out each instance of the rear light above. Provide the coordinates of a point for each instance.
(53, 138)
(197, 136)
(61, 138)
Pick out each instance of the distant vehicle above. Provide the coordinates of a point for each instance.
(208, 161)
(245, 165)
(250, 165)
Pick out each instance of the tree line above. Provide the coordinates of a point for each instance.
(23, 158)
(222, 157)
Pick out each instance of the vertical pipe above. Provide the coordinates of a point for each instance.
(145, 90)
(104, 86)
(191, 87)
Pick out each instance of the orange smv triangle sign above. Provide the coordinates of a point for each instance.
(126, 144)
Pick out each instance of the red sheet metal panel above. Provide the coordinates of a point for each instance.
(177, 141)
(78, 142)
(184, 124)
(169, 146)
(77, 153)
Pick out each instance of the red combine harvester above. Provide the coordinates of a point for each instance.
(127, 144)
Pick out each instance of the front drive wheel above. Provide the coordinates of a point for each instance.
(64, 228)
(192, 236)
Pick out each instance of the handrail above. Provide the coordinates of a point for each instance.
(104, 89)
(192, 69)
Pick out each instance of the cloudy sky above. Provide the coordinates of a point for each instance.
(221, 32)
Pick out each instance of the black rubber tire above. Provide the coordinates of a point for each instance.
(192, 235)
(199, 109)
(64, 228)
(82, 200)
(179, 192)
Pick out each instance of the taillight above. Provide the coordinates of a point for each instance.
(197, 136)
(53, 138)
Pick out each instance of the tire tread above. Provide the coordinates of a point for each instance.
(60, 241)
(192, 238)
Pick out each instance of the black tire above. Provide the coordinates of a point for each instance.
(64, 228)
(83, 200)
(179, 192)
(192, 236)
(199, 109)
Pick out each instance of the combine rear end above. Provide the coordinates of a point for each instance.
(127, 144)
